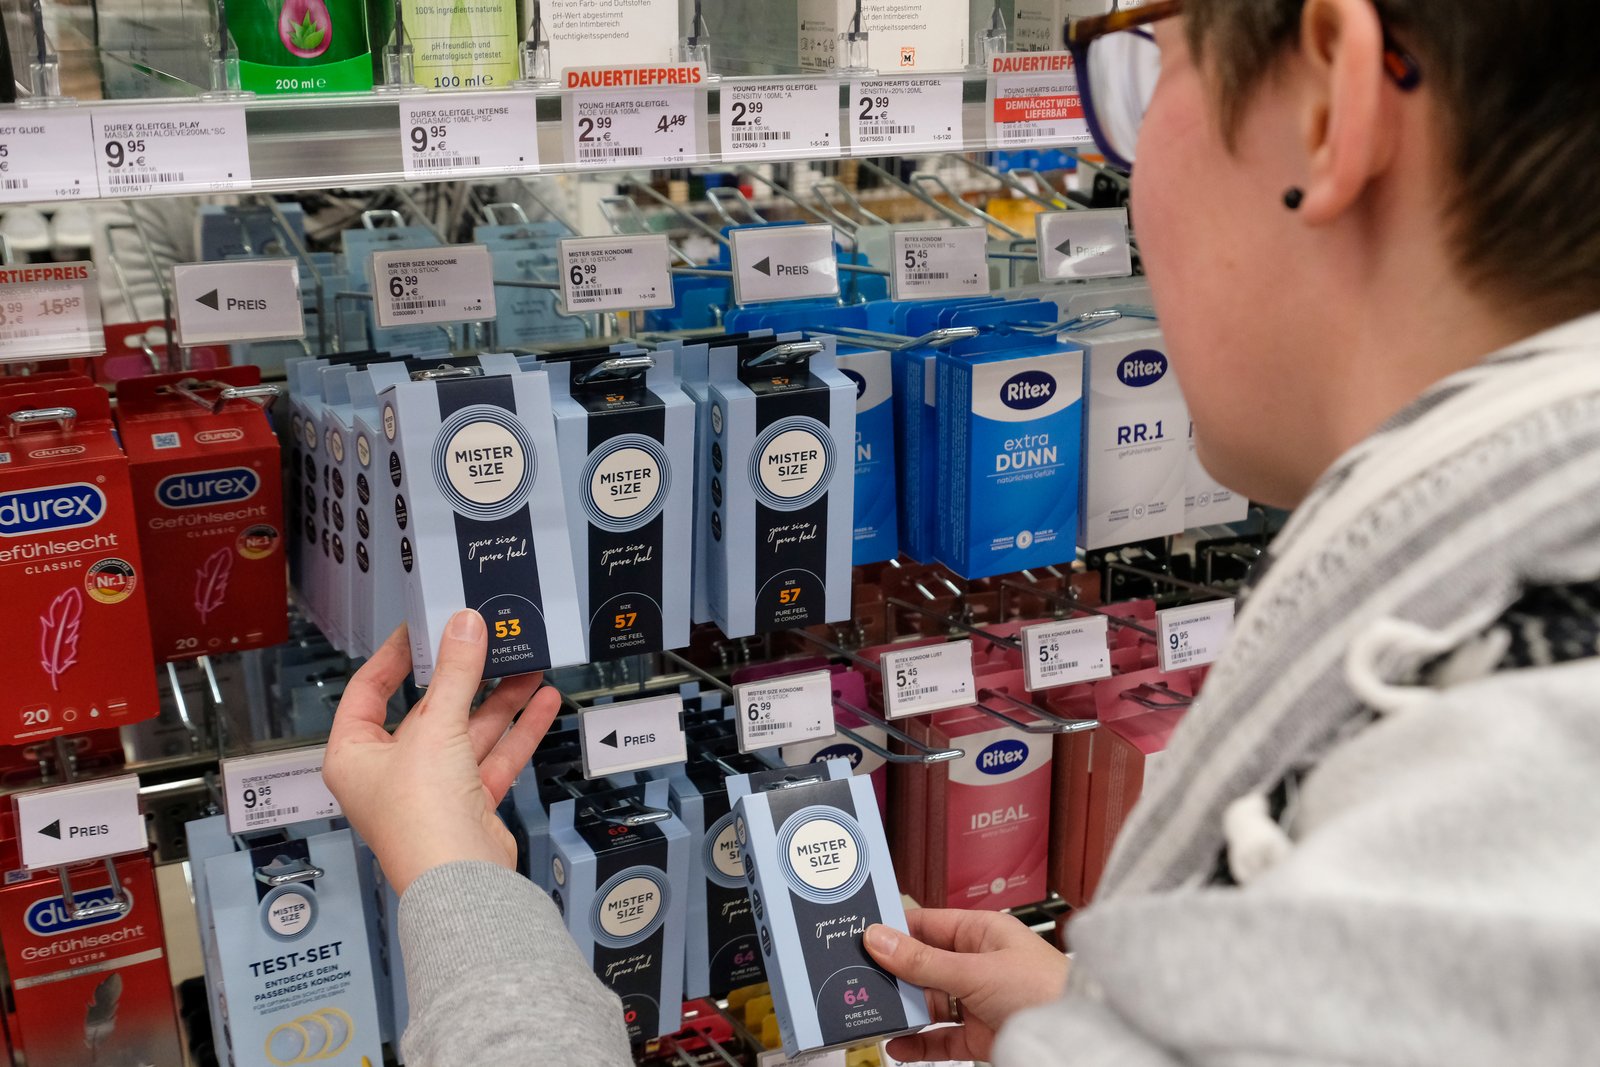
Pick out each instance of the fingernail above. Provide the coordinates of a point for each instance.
(882, 940)
(465, 626)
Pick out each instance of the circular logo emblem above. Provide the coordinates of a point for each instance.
(257, 542)
(484, 462)
(723, 860)
(716, 419)
(336, 445)
(363, 559)
(630, 907)
(1025, 539)
(402, 514)
(363, 524)
(363, 450)
(407, 558)
(288, 912)
(338, 516)
(559, 870)
(716, 492)
(394, 469)
(388, 421)
(338, 549)
(792, 463)
(110, 581)
(311, 435)
(363, 489)
(338, 483)
(628, 479)
(825, 854)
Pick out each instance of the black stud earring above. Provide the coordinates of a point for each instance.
(1294, 198)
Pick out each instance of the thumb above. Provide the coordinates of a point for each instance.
(905, 957)
(457, 672)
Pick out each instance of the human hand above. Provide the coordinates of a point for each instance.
(990, 962)
(427, 794)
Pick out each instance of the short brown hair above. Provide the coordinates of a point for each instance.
(1520, 86)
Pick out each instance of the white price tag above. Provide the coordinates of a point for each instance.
(936, 264)
(46, 156)
(632, 735)
(1034, 99)
(932, 678)
(467, 134)
(783, 263)
(1055, 654)
(73, 823)
(1084, 244)
(777, 1058)
(276, 789)
(237, 300)
(432, 285)
(890, 115)
(49, 310)
(662, 123)
(1193, 636)
(791, 118)
(198, 148)
(624, 273)
(785, 710)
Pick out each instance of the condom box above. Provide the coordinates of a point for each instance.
(487, 518)
(782, 492)
(1206, 501)
(75, 625)
(988, 813)
(206, 838)
(95, 989)
(877, 535)
(817, 865)
(621, 885)
(628, 437)
(1069, 793)
(1010, 440)
(1135, 448)
(293, 962)
(916, 389)
(208, 483)
(721, 953)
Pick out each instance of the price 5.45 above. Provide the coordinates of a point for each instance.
(425, 137)
(121, 153)
(905, 677)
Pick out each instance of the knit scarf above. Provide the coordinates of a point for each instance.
(1408, 549)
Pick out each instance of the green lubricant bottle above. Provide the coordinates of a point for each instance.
(290, 47)
(463, 44)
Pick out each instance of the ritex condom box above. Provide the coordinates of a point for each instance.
(817, 865)
(75, 625)
(209, 489)
(93, 989)
(488, 519)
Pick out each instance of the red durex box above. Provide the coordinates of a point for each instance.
(91, 991)
(74, 622)
(208, 487)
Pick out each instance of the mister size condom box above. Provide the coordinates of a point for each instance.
(488, 521)
(817, 864)
(626, 431)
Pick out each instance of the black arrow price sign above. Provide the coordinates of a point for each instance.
(632, 735)
(783, 263)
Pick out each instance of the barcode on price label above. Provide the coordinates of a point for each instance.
(917, 681)
(610, 152)
(276, 789)
(13, 183)
(927, 275)
(147, 178)
(448, 162)
(47, 156)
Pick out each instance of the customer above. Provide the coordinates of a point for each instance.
(1374, 839)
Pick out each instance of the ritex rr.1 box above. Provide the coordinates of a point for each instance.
(782, 525)
(75, 626)
(207, 478)
(488, 518)
(817, 864)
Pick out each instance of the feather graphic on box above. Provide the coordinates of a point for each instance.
(211, 582)
(101, 1019)
(58, 635)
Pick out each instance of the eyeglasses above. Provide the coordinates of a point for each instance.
(1119, 63)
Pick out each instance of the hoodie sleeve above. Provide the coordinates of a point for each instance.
(493, 977)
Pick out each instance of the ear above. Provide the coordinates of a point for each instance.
(1348, 137)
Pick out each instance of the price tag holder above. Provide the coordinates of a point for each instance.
(776, 1058)
(623, 273)
(789, 118)
(658, 121)
(785, 710)
(917, 681)
(46, 156)
(1084, 244)
(69, 824)
(198, 148)
(1034, 99)
(412, 286)
(237, 300)
(1055, 654)
(939, 264)
(49, 310)
(1193, 635)
(276, 789)
(469, 134)
(889, 115)
(783, 263)
(632, 735)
